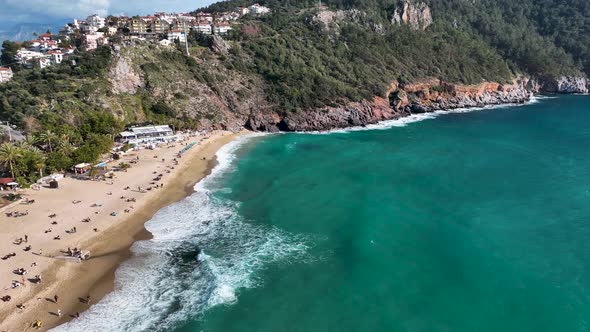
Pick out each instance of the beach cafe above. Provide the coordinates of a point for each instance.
(82, 168)
(8, 183)
(147, 135)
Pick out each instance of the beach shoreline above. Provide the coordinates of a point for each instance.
(109, 247)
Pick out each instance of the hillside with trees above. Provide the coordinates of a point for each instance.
(300, 59)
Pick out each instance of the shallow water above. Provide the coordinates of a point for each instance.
(467, 222)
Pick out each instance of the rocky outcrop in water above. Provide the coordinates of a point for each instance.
(435, 95)
(566, 84)
(415, 14)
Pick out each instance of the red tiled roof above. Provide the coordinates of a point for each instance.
(6, 180)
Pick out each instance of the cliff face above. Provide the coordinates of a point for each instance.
(331, 21)
(203, 90)
(415, 14)
(566, 84)
(219, 97)
(402, 100)
(439, 95)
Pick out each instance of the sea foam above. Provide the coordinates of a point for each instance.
(165, 282)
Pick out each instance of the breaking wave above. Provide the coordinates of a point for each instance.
(201, 253)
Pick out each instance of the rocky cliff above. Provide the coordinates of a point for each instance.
(200, 88)
(401, 100)
(415, 14)
(218, 97)
(566, 84)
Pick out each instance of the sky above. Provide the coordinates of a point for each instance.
(13, 12)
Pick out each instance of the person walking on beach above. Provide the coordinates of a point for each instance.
(58, 313)
(26, 238)
(55, 298)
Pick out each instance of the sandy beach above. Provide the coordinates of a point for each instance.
(117, 210)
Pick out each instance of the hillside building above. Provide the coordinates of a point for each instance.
(5, 74)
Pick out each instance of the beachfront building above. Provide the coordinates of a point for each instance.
(82, 168)
(8, 183)
(147, 134)
(5, 74)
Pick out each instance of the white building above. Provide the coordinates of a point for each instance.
(242, 10)
(204, 17)
(5, 74)
(95, 21)
(93, 40)
(202, 27)
(147, 134)
(257, 9)
(221, 28)
(66, 30)
(43, 62)
(112, 31)
(55, 56)
(26, 57)
(185, 18)
(177, 34)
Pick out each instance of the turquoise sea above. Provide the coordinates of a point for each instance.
(470, 221)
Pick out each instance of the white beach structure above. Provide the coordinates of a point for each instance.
(147, 135)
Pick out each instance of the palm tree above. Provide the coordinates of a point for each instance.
(40, 162)
(47, 138)
(25, 145)
(9, 153)
(64, 144)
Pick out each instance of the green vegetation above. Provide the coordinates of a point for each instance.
(307, 65)
(286, 61)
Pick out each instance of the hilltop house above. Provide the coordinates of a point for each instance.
(5, 74)
(95, 21)
(45, 37)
